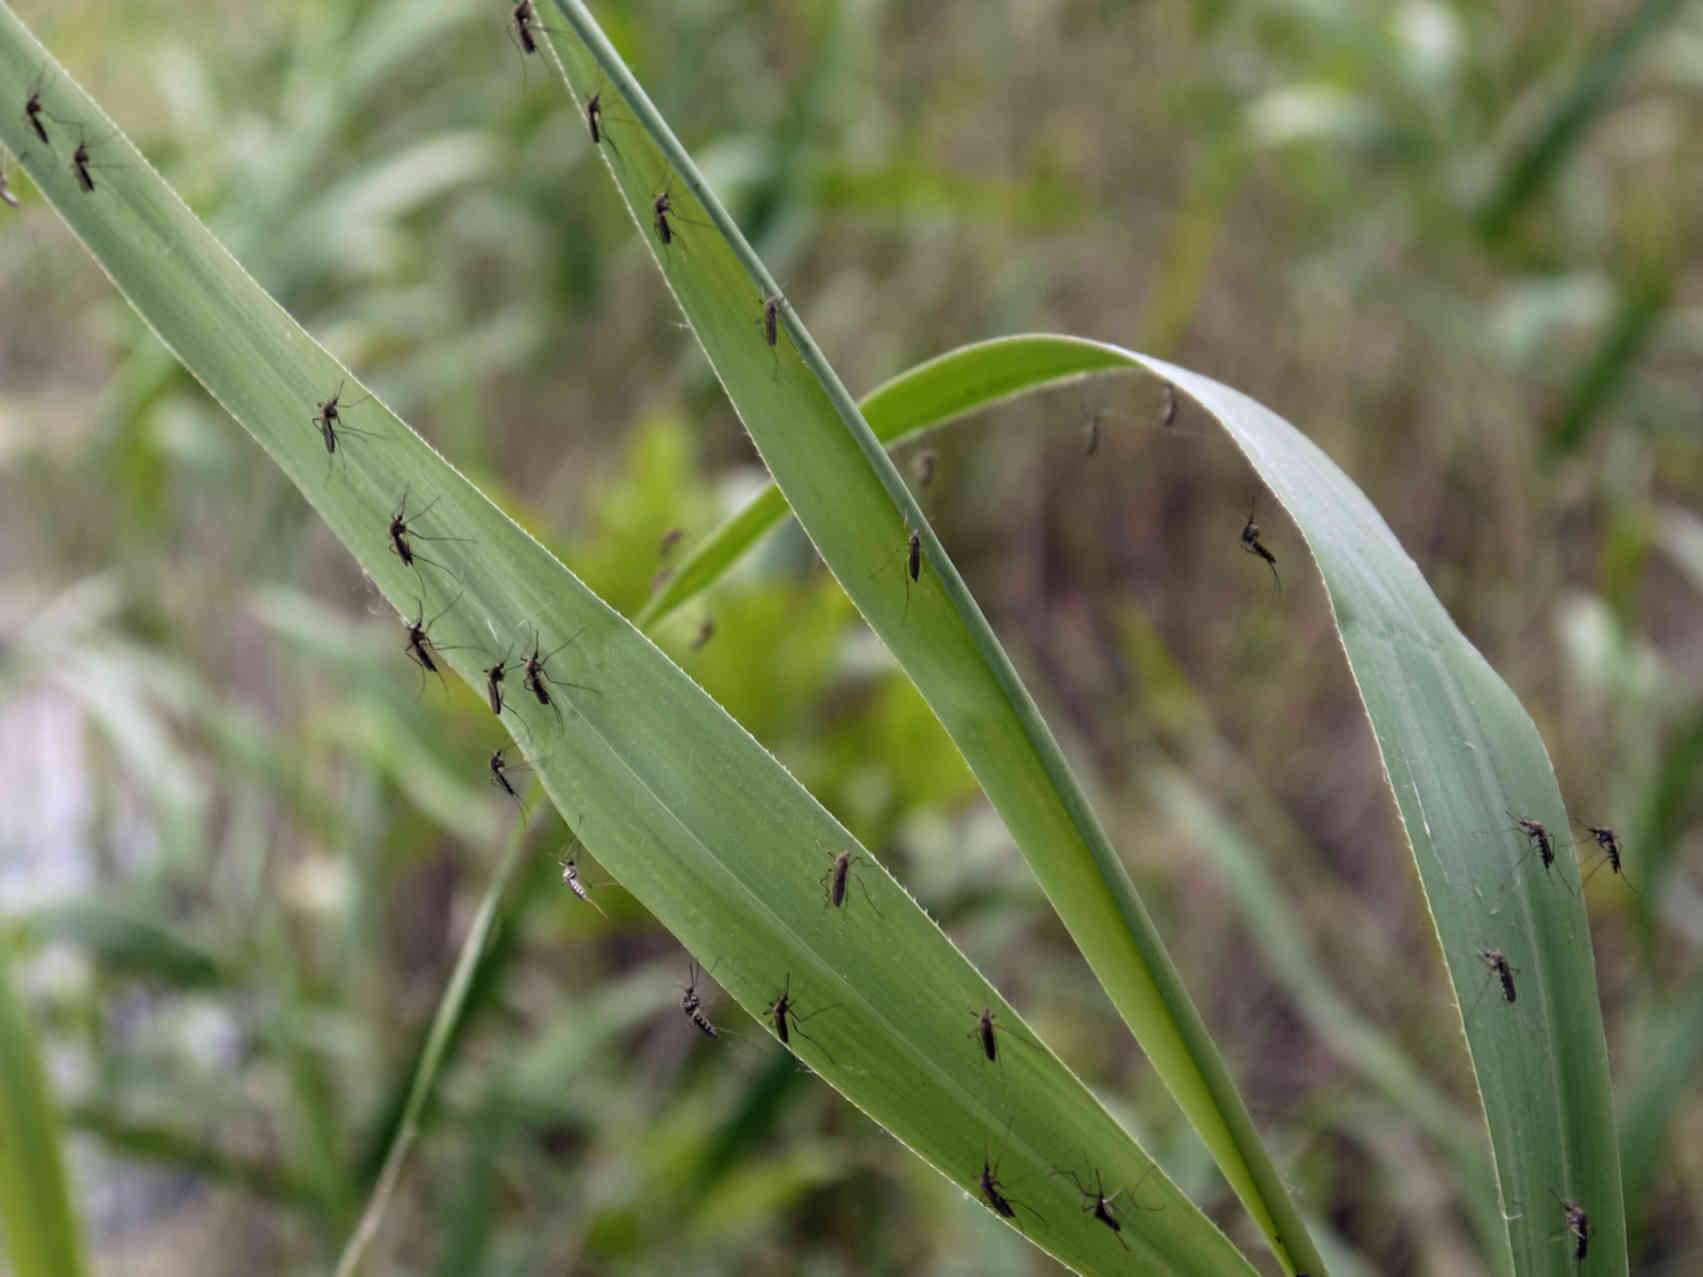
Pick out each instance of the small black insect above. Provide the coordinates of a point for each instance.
(706, 631)
(329, 419)
(660, 208)
(1539, 836)
(1253, 545)
(985, 1031)
(80, 166)
(1608, 843)
(782, 1009)
(400, 534)
(499, 773)
(995, 1192)
(1578, 1224)
(522, 19)
(535, 677)
(1096, 1202)
(838, 874)
(420, 645)
(1498, 963)
(693, 1008)
(594, 116)
(925, 467)
(571, 880)
(33, 110)
(494, 675)
(913, 559)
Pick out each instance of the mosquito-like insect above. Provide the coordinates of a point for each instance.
(660, 207)
(770, 323)
(834, 880)
(535, 676)
(1253, 545)
(1496, 962)
(1578, 1224)
(1540, 842)
(499, 774)
(329, 419)
(925, 467)
(706, 631)
(693, 1007)
(995, 1192)
(33, 109)
(420, 644)
(985, 1031)
(1096, 1202)
(521, 18)
(782, 1009)
(402, 535)
(670, 539)
(571, 880)
(1608, 843)
(494, 675)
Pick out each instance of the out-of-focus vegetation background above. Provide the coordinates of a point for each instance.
(242, 838)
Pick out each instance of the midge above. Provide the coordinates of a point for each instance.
(521, 18)
(781, 1009)
(1102, 1207)
(420, 645)
(399, 533)
(494, 675)
(33, 110)
(329, 419)
(985, 1032)
(995, 1192)
(1497, 962)
(1609, 845)
(535, 677)
(1578, 1224)
(1253, 545)
(499, 773)
(571, 880)
(834, 881)
(693, 1008)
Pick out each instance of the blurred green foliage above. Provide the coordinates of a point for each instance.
(244, 838)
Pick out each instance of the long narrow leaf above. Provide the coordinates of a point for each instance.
(39, 1229)
(872, 534)
(688, 812)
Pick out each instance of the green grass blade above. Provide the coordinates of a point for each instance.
(444, 1026)
(674, 799)
(1586, 98)
(859, 514)
(40, 1232)
(925, 398)
(1460, 753)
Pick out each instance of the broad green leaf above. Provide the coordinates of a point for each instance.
(37, 1226)
(869, 529)
(684, 808)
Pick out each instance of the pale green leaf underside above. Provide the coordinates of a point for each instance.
(687, 811)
